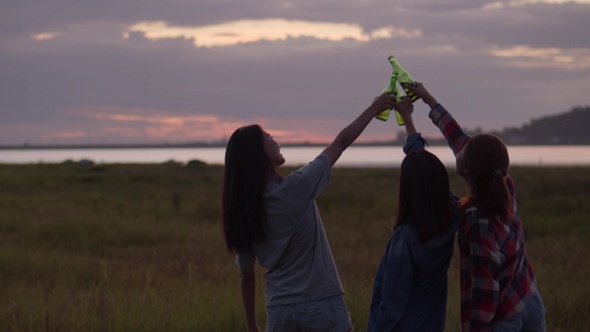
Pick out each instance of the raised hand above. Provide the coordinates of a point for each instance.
(420, 91)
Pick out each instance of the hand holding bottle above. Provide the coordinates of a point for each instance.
(391, 86)
(399, 77)
(405, 108)
(384, 101)
(420, 91)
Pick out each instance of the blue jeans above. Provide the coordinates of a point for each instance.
(531, 319)
(325, 315)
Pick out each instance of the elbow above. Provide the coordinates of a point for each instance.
(342, 142)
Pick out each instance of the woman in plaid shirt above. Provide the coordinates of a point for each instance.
(498, 286)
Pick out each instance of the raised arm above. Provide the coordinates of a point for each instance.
(349, 134)
(453, 133)
(414, 141)
(406, 108)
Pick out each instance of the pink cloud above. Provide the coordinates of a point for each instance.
(72, 134)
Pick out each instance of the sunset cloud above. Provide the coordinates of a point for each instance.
(275, 29)
(516, 3)
(545, 57)
(72, 134)
(46, 36)
(130, 124)
(158, 119)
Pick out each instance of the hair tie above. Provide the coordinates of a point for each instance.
(497, 171)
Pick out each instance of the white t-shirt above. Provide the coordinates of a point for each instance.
(297, 255)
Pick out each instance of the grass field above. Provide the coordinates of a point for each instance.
(139, 247)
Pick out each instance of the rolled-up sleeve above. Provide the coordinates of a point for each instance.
(245, 260)
(414, 143)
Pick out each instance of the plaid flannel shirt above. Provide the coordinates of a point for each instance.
(497, 280)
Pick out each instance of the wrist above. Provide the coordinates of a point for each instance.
(407, 117)
(430, 102)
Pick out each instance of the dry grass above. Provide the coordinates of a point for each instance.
(139, 247)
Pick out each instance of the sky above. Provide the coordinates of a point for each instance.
(176, 71)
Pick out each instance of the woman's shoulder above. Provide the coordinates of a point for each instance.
(480, 224)
(407, 232)
(471, 217)
(314, 170)
(320, 165)
(303, 184)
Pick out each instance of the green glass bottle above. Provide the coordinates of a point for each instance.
(403, 78)
(391, 86)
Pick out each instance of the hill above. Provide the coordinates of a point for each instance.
(570, 128)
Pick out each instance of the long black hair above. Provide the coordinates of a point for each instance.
(245, 174)
(424, 200)
(486, 163)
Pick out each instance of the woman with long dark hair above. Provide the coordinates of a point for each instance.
(498, 285)
(410, 287)
(274, 220)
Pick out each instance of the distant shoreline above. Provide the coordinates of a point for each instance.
(164, 146)
(431, 142)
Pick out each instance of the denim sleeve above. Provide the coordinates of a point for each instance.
(414, 142)
(245, 260)
(397, 283)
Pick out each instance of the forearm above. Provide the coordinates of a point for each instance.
(409, 124)
(449, 127)
(397, 283)
(388, 319)
(484, 262)
(483, 306)
(248, 288)
(430, 101)
(349, 134)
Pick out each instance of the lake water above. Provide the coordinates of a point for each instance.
(354, 156)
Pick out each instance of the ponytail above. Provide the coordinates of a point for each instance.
(498, 197)
(486, 162)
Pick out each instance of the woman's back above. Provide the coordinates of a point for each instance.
(410, 288)
(296, 254)
(495, 271)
